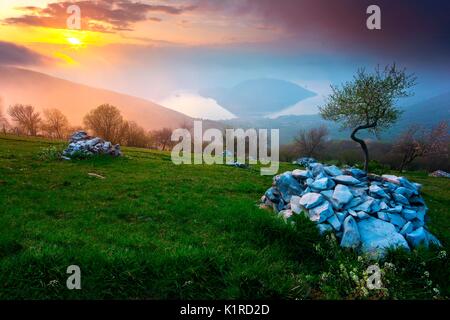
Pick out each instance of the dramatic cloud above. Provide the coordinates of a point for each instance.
(12, 54)
(100, 15)
(406, 24)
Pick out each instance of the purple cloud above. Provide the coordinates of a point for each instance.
(12, 54)
(119, 15)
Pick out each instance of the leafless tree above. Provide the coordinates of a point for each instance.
(162, 138)
(3, 122)
(133, 135)
(55, 124)
(27, 119)
(418, 142)
(105, 121)
(310, 142)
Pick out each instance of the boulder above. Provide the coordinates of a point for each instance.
(344, 179)
(365, 206)
(324, 228)
(301, 174)
(407, 184)
(409, 214)
(397, 220)
(288, 186)
(407, 193)
(376, 191)
(295, 204)
(390, 178)
(401, 199)
(316, 168)
(334, 222)
(383, 216)
(377, 236)
(417, 237)
(305, 161)
(332, 171)
(322, 184)
(342, 195)
(351, 237)
(358, 173)
(273, 195)
(311, 200)
(407, 228)
(321, 212)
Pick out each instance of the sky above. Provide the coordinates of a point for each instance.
(166, 51)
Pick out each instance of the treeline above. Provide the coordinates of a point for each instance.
(416, 148)
(104, 121)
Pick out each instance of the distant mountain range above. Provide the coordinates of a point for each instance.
(264, 96)
(258, 97)
(427, 113)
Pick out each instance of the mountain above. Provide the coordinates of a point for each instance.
(76, 100)
(427, 113)
(258, 97)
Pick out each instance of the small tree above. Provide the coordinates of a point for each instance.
(368, 102)
(105, 121)
(55, 123)
(3, 122)
(162, 138)
(133, 135)
(26, 118)
(418, 142)
(310, 142)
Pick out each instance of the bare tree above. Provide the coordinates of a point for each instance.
(3, 122)
(105, 121)
(55, 123)
(26, 118)
(162, 138)
(133, 135)
(418, 142)
(310, 142)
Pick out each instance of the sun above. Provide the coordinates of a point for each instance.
(74, 41)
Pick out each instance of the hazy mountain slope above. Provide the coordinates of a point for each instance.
(258, 97)
(427, 113)
(75, 100)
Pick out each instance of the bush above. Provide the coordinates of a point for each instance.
(50, 153)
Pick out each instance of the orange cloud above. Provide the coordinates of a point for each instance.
(101, 16)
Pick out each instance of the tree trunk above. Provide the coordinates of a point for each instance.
(363, 145)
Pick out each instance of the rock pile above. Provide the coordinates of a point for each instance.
(440, 173)
(366, 212)
(304, 161)
(81, 144)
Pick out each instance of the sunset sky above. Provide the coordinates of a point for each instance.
(157, 49)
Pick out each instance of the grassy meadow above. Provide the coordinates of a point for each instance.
(153, 230)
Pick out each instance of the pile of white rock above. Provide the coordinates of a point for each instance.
(304, 161)
(81, 144)
(368, 213)
(440, 174)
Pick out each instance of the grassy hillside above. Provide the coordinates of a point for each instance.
(154, 230)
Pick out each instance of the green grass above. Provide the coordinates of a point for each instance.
(153, 230)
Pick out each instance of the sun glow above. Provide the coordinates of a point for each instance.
(74, 41)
